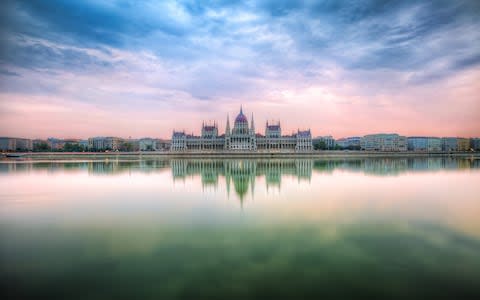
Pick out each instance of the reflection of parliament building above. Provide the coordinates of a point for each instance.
(242, 172)
(242, 138)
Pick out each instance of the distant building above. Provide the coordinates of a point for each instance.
(475, 144)
(434, 144)
(242, 137)
(83, 143)
(147, 144)
(328, 140)
(40, 145)
(163, 145)
(8, 144)
(463, 144)
(15, 144)
(384, 142)
(352, 143)
(449, 144)
(56, 144)
(104, 143)
(24, 144)
(425, 144)
(129, 145)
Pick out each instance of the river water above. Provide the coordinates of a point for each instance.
(242, 228)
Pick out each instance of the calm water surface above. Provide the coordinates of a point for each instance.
(247, 229)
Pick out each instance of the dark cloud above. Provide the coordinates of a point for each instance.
(87, 22)
(8, 73)
(37, 55)
(269, 38)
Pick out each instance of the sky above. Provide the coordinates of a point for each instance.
(143, 68)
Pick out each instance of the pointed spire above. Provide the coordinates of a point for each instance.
(252, 124)
(227, 129)
(241, 110)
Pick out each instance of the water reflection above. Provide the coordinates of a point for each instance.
(272, 167)
(167, 229)
(243, 173)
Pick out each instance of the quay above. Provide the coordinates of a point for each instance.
(237, 154)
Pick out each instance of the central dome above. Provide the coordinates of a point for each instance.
(241, 117)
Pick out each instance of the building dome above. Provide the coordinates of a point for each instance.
(241, 118)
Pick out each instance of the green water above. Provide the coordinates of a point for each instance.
(241, 229)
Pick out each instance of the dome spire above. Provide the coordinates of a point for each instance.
(241, 110)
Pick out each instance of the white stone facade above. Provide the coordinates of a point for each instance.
(242, 137)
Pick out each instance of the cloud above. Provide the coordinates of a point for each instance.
(207, 55)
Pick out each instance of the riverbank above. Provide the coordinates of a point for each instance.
(222, 154)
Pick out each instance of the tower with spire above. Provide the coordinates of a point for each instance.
(253, 135)
(242, 136)
(227, 128)
(227, 134)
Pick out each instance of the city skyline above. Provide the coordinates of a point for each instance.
(101, 68)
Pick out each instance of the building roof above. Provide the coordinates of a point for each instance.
(241, 118)
(178, 134)
(273, 127)
(209, 128)
(303, 133)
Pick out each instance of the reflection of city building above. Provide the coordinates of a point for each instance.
(385, 166)
(105, 167)
(241, 172)
(242, 137)
(384, 142)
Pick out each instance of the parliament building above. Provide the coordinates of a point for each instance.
(242, 137)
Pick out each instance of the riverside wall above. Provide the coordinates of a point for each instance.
(235, 154)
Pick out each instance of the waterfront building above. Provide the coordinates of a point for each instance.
(434, 144)
(383, 142)
(422, 143)
(163, 145)
(417, 143)
(8, 144)
(104, 143)
(327, 140)
(15, 144)
(475, 144)
(147, 144)
(352, 143)
(40, 145)
(24, 144)
(83, 143)
(463, 144)
(55, 144)
(449, 144)
(242, 137)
